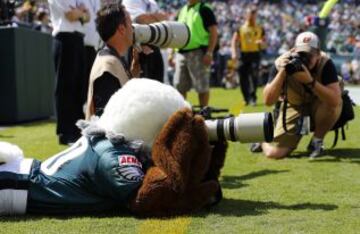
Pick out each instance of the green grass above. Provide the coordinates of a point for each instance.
(293, 195)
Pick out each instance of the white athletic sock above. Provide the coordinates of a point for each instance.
(315, 139)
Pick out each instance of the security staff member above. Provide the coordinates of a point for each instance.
(250, 39)
(193, 61)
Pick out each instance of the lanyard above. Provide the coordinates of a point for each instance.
(113, 52)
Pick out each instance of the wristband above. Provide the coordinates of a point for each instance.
(210, 54)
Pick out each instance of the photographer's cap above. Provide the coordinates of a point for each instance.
(307, 42)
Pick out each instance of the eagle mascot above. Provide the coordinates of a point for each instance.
(148, 153)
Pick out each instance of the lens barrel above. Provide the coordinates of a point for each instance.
(245, 128)
(166, 34)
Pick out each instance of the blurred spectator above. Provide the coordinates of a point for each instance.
(346, 71)
(91, 41)
(42, 22)
(68, 19)
(355, 66)
(249, 39)
(147, 12)
(282, 19)
(26, 12)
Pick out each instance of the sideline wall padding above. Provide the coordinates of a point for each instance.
(26, 75)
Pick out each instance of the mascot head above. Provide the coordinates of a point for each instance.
(140, 109)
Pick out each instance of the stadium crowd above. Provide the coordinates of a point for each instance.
(281, 26)
(282, 21)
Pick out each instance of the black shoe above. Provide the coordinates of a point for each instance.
(256, 147)
(252, 102)
(315, 148)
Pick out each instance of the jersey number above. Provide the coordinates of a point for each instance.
(52, 165)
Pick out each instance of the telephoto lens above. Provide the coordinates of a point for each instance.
(245, 128)
(166, 34)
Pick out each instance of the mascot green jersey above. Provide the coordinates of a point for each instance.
(93, 175)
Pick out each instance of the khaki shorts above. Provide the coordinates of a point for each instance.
(190, 72)
(293, 113)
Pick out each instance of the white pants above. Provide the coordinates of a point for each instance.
(13, 201)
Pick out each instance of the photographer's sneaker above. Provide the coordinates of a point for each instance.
(316, 147)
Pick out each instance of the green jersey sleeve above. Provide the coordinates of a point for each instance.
(119, 174)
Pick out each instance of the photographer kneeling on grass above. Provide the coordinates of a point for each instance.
(304, 83)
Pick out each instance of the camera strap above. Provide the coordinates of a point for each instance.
(285, 105)
(300, 123)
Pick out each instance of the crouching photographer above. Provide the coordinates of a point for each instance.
(305, 86)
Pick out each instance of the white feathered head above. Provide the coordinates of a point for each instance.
(140, 109)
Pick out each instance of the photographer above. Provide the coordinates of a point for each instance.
(305, 82)
(110, 70)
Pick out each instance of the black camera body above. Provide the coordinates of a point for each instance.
(296, 60)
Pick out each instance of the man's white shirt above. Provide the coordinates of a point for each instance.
(58, 8)
(139, 7)
(92, 37)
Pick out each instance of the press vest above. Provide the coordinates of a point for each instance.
(104, 63)
(248, 37)
(296, 92)
(192, 18)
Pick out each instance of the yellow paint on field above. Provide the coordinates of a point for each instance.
(165, 226)
(236, 109)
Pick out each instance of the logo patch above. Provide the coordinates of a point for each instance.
(307, 39)
(129, 160)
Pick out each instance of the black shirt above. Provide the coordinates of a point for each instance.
(104, 87)
(329, 74)
(107, 84)
(208, 18)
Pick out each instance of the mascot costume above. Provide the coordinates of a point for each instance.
(147, 153)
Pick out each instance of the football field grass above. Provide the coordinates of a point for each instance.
(293, 195)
